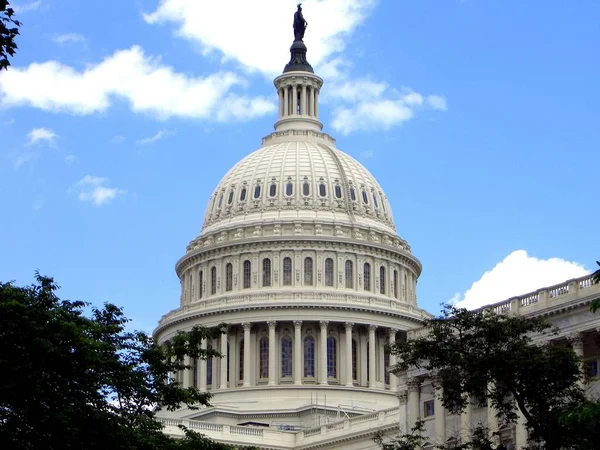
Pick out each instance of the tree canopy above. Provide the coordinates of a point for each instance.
(480, 356)
(70, 381)
(9, 30)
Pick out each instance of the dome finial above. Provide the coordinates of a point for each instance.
(298, 60)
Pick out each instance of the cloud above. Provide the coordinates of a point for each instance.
(26, 7)
(152, 139)
(117, 139)
(252, 45)
(93, 189)
(8, 123)
(66, 38)
(41, 134)
(437, 102)
(147, 85)
(516, 275)
(367, 154)
(70, 159)
(23, 158)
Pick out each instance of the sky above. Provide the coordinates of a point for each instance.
(479, 118)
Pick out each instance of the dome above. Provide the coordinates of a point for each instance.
(298, 180)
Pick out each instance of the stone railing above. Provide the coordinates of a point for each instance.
(272, 437)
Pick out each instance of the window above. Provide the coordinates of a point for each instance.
(329, 272)
(209, 366)
(266, 281)
(305, 189)
(404, 289)
(228, 277)
(286, 357)
(257, 191)
(195, 373)
(382, 201)
(289, 189)
(352, 194)
(354, 360)
(241, 360)
(331, 357)
(220, 200)
(395, 284)
(309, 356)
(375, 203)
(365, 197)
(592, 368)
(367, 277)
(322, 190)
(200, 283)
(264, 358)
(428, 408)
(349, 274)
(247, 273)
(273, 190)
(287, 271)
(308, 271)
(386, 364)
(382, 280)
(243, 194)
(213, 280)
(230, 198)
(338, 191)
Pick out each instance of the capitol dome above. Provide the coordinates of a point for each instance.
(299, 255)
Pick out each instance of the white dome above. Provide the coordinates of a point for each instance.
(298, 180)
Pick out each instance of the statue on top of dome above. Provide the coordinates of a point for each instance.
(299, 24)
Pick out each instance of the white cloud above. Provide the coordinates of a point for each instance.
(41, 134)
(149, 86)
(255, 23)
(68, 38)
(152, 139)
(366, 154)
(25, 7)
(516, 275)
(117, 139)
(93, 189)
(70, 159)
(23, 158)
(437, 102)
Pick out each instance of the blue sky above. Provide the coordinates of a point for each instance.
(479, 118)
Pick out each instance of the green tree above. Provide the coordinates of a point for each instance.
(70, 381)
(9, 30)
(595, 306)
(481, 356)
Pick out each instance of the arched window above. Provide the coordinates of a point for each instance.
(286, 357)
(229, 277)
(308, 271)
(322, 190)
(266, 282)
(305, 189)
(257, 191)
(395, 284)
(329, 272)
(213, 280)
(382, 280)
(273, 190)
(230, 198)
(309, 356)
(354, 360)
(220, 200)
(289, 189)
(365, 197)
(209, 366)
(263, 369)
(200, 283)
(243, 194)
(367, 276)
(349, 274)
(331, 357)
(247, 273)
(241, 360)
(287, 271)
(352, 194)
(375, 202)
(338, 191)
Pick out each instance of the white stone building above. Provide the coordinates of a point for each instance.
(299, 255)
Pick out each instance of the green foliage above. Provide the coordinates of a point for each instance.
(595, 306)
(9, 29)
(75, 382)
(481, 356)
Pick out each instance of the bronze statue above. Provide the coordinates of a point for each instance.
(299, 24)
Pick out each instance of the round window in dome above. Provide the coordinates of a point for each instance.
(322, 190)
(305, 189)
(289, 189)
(352, 194)
(273, 190)
(375, 203)
(257, 191)
(338, 191)
(230, 199)
(220, 200)
(365, 197)
(243, 194)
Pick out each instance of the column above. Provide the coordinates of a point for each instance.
(349, 381)
(393, 378)
(294, 100)
(440, 418)
(272, 347)
(311, 101)
(202, 371)
(576, 340)
(414, 402)
(520, 430)
(372, 356)
(187, 373)
(297, 352)
(492, 420)
(281, 102)
(316, 103)
(223, 384)
(465, 423)
(303, 100)
(246, 327)
(323, 353)
(286, 101)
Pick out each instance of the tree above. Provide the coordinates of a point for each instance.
(481, 356)
(75, 382)
(9, 30)
(595, 306)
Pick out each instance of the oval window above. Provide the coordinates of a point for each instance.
(289, 189)
(365, 198)
(230, 199)
(352, 194)
(272, 190)
(375, 200)
(257, 191)
(338, 191)
(305, 189)
(220, 200)
(322, 190)
(243, 194)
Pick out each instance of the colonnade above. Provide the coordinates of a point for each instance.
(298, 99)
(298, 353)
